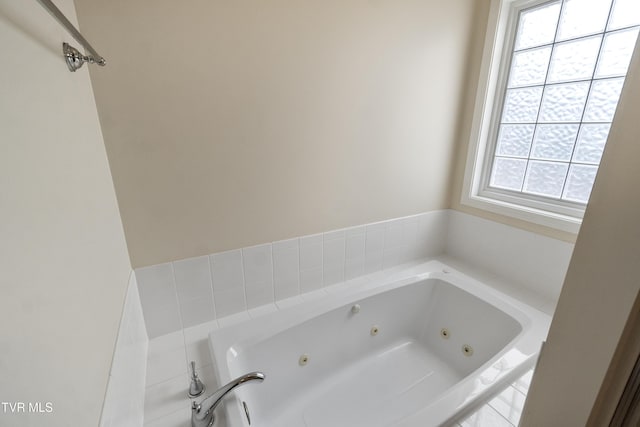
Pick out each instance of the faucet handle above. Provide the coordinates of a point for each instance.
(196, 388)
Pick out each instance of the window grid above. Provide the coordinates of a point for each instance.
(587, 80)
(568, 162)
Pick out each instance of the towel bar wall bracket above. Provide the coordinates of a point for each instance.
(74, 58)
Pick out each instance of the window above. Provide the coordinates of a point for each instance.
(553, 83)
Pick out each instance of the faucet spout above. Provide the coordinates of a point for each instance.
(202, 413)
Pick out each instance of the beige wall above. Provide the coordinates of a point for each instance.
(466, 119)
(234, 123)
(602, 283)
(63, 261)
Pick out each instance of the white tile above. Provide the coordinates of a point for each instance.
(227, 271)
(196, 311)
(310, 280)
(199, 332)
(372, 264)
(393, 234)
(358, 230)
(166, 366)
(166, 398)
(208, 378)
(333, 251)
(161, 320)
(262, 310)
(310, 252)
(258, 266)
(486, 416)
(285, 244)
(229, 301)
(197, 344)
(400, 241)
(537, 262)
(199, 352)
(410, 227)
(259, 294)
(524, 382)
(332, 275)
(432, 233)
(509, 404)
(287, 289)
(179, 418)
(374, 246)
(334, 234)
(393, 257)
(234, 319)
(353, 268)
(193, 278)
(355, 246)
(286, 273)
(124, 399)
(156, 285)
(137, 320)
(165, 343)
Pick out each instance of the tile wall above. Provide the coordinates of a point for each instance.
(186, 299)
(124, 400)
(189, 292)
(532, 261)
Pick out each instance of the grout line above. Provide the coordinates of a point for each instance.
(500, 414)
(273, 275)
(344, 259)
(213, 298)
(299, 275)
(244, 284)
(322, 285)
(184, 342)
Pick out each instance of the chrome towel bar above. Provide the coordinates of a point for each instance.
(74, 58)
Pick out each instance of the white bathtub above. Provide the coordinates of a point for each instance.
(427, 346)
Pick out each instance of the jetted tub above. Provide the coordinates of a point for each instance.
(420, 350)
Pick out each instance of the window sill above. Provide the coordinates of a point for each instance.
(568, 223)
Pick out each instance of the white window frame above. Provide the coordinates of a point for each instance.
(494, 72)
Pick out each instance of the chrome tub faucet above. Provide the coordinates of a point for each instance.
(202, 413)
(196, 388)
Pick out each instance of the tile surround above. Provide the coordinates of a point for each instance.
(124, 400)
(297, 270)
(185, 293)
(534, 262)
(188, 292)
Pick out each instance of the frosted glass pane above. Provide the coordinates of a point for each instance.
(554, 142)
(625, 14)
(529, 67)
(545, 178)
(583, 17)
(590, 145)
(508, 173)
(616, 53)
(574, 60)
(537, 26)
(603, 100)
(579, 183)
(521, 105)
(515, 140)
(564, 102)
